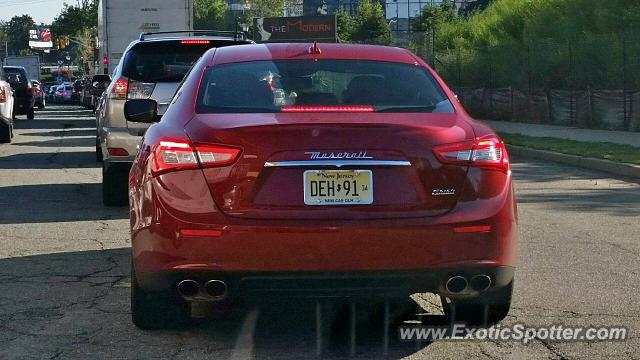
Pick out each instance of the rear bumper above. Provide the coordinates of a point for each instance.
(285, 285)
(119, 138)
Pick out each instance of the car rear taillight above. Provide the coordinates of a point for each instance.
(120, 89)
(38, 91)
(3, 95)
(484, 152)
(128, 89)
(172, 155)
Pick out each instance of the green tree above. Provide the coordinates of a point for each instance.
(3, 38)
(17, 33)
(75, 18)
(433, 15)
(370, 24)
(210, 14)
(79, 22)
(346, 25)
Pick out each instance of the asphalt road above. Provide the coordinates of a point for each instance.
(64, 267)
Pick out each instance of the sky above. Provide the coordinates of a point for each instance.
(42, 11)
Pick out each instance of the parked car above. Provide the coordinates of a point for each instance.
(77, 88)
(6, 109)
(24, 99)
(51, 94)
(151, 68)
(85, 97)
(323, 170)
(64, 94)
(38, 94)
(98, 85)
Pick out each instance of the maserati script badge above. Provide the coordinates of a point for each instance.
(317, 155)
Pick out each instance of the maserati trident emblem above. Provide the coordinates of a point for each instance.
(317, 155)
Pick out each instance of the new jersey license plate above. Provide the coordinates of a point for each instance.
(338, 187)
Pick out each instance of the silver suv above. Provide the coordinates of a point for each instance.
(150, 68)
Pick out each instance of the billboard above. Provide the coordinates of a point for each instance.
(301, 28)
(40, 38)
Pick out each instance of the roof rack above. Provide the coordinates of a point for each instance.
(236, 35)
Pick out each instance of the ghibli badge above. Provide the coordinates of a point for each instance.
(443, 192)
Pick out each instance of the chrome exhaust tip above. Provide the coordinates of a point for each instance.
(456, 284)
(188, 289)
(217, 289)
(480, 282)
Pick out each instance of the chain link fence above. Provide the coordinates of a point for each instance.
(591, 82)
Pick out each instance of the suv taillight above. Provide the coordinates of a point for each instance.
(485, 152)
(3, 95)
(172, 155)
(129, 89)
(120, 89)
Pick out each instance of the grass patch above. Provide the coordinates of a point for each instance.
(598, 150)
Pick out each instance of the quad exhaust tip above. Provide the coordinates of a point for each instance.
(188, 289)
(456, 284)
(480, 282)
(216, 289)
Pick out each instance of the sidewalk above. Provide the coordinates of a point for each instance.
(563, 132)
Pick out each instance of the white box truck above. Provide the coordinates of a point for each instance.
(30, 63)
(122, 21)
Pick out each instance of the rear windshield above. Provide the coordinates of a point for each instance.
(267, 86)
(165, 61)
(15, 76)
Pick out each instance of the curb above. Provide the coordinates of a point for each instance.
(612, 167)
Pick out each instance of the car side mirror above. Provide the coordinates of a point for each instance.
(141, 111)
(96, 88)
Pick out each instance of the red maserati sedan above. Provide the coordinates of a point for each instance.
(318, 170)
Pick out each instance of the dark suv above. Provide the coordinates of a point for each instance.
(24, 99)
(151, 68)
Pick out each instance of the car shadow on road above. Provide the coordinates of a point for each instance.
(55, 203)
(62, 142)
(55, 123)
(50, 160)
(66, 133)
(77, 303)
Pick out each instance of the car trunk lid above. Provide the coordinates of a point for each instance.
(268, 181)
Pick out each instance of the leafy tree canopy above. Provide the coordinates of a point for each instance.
(368, 25)
(16, 33)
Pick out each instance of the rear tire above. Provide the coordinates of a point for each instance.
(115, 187)
(30, 114)
(156, 310)
(5, 133)
(472, 311)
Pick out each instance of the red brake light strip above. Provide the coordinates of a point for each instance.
(327, 108)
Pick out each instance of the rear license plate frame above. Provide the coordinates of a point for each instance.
(311, 200)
